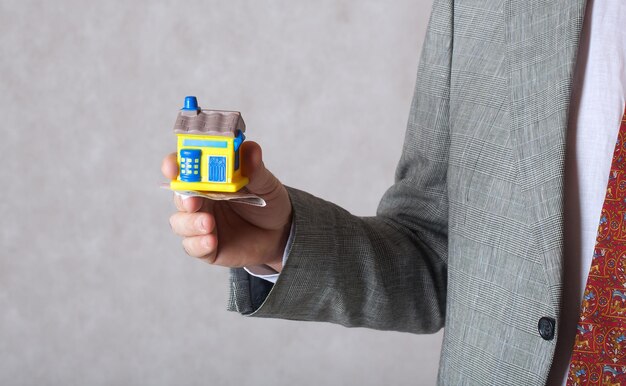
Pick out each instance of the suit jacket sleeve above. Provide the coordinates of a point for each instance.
(385, 272)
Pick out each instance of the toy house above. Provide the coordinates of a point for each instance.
(208, 147)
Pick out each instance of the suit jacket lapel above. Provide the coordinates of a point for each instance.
(542, 37)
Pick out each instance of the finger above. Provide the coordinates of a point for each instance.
(192, 224)
(202, 247)
(169, 166)
(187, 203)
(262, 182)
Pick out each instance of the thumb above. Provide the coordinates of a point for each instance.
(277, 213)
(262, 181)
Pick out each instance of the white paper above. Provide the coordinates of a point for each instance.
(242, 196)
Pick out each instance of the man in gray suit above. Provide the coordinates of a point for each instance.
(471, 233)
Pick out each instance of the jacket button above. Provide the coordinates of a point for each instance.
(546, 327)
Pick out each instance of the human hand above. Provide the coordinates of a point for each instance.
(232, 234)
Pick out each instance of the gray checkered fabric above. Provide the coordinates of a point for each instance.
(470, 235)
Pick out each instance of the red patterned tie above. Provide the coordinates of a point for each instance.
(599, 356)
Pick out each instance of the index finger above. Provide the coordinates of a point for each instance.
(169, 166)
(188, 204)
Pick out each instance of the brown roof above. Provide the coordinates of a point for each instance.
(209, 122)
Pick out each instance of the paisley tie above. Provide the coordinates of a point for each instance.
(599, 355)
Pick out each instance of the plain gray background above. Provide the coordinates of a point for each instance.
(94, 288)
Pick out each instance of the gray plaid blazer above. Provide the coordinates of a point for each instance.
(470, 236)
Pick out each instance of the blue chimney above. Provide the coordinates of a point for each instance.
(191, 104)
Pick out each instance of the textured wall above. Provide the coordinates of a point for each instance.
(94, 288)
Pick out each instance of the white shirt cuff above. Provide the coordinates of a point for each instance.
(265, 272)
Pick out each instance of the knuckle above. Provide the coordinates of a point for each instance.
(198, 246)
(190, 247)
(203, 222)
(178, 224)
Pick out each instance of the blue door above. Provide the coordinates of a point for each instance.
(190, 165)
(217, 169)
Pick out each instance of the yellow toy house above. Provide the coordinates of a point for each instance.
(209, 153)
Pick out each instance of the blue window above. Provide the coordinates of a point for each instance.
(190, 165)
(205, 143)
(217, 169)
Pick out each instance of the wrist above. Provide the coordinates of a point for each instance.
(280, 256)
